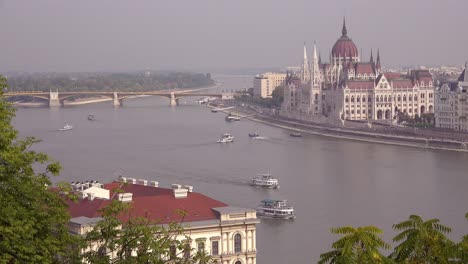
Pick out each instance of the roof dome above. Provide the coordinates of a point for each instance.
(344, 46)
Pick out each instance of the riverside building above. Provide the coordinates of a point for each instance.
(451, 108)
(264, 84)
(347, 88)
(226, 233)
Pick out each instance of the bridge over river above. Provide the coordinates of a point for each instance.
(56, 98)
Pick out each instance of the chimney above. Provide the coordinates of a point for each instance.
(178, 191)
(131, 180)
(154, 184)
(125, 197)
(189, 188)
(142, 182)
(122, 179)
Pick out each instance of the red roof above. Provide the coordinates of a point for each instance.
(403, 83)
(392, 75)
(360, 84)
(344, 47)
(364, 68)
(156, 204)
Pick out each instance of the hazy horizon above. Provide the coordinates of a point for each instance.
(210, 35)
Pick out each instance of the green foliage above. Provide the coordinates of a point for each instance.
(107, 81)
(120, 238)
(33, 220)
(422, 241)
(277, 96)
(357, 246)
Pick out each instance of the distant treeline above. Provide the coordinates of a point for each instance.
(107, 81)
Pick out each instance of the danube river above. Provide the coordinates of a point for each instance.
(330, 182)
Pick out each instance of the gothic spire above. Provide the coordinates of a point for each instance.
(378, 59)
(305, 52)
(344, 31)
(371, 56)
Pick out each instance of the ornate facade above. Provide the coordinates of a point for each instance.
(348, 89)
(451, 111)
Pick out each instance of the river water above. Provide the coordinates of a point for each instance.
(330, 182)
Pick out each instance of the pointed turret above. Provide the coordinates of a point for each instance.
(320, 59)
(466, 72)
(305, 68)
(371, 56)
(377, 65)
(344, 31)
(315, 73)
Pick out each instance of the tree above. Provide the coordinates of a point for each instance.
(120, 238)
(422, 241)
(277, 96)
(33, 220)
(357, 246)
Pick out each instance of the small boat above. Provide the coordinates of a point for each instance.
(91, 117)
(66, 127)
(295, 134)
(265, 180)
(275, 209)
(232, 118)
(254, 135)
(226, 138)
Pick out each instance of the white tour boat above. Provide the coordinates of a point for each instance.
(265, 180)
(275, 209)
(66, 127)
(226, 138)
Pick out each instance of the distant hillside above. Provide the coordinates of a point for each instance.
(107, 81)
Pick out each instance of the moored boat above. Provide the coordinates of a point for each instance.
(275, 209)
(295, 134)
(91, 117)
(254, 135)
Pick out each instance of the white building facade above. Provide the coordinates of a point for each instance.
(226, 233)
(264, 84)
(348, 89)
(451, 108)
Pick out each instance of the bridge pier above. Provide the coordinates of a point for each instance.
(173, 100)
(54, 100)
(117, 101)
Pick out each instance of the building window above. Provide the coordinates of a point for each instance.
(376, 99)
(415, 98)
(352, 99)
(385, 99)
(172, 252)
(237, 243)
(347, 99)
(215, 248)
(358, 111)
(316, 96)
(187, 251)
(358, 99)
(381, 98)
(347, 112)
(352, 112)
(363, 99)
(238, 262)
(369, 99)
(399, 98)
(410, 98)
(404, 98)
(201, 246)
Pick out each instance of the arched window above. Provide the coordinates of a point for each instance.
(385, 99)
(404, 98)
(358, 99)
(237, 243)
(363, 99)
(377, 99)
(172, 252)
(238, 262)
(399, 98)
(346, 99)
(369, 99)
(410, 98)
(352, 99)
(316, 96)
(381, 98)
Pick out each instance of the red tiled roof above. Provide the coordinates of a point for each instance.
(403, 83)
(344, 47)
(364, 68)
(156, 204)
(392, 75)
(360, 84)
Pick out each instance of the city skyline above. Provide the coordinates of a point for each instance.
(52, 35)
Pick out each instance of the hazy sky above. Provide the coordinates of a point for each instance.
(115, 35)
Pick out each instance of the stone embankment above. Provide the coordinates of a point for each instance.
(352, 134)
